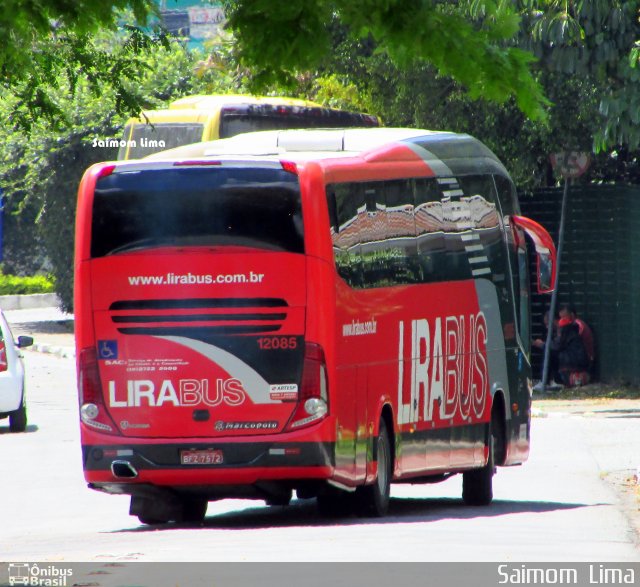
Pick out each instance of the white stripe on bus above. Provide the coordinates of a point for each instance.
(256, 387)
(474, 248)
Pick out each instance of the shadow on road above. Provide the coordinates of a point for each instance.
(401, 511)
(30, 428)
(619, 413)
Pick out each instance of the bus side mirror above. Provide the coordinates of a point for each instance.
(545, 252)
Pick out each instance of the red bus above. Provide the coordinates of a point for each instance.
(342, 310)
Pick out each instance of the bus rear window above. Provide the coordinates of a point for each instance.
(234, 123)
(147, 139)
(240, 207)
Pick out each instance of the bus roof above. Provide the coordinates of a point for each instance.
(206, 102)
(446, 153)
(201, 108)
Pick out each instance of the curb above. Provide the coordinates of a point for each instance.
(541, 413)
(63, 352)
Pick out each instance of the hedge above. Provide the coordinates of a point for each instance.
(16, 285)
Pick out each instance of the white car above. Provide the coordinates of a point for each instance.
(13, 404)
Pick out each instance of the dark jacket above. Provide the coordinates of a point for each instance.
(570, 350)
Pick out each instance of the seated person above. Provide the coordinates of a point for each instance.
(568, 311)
(568, 358)
(571, 355)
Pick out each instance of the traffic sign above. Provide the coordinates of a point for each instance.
(570, 164)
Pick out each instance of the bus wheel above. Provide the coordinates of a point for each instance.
(477, 485)
(373, 500)
(151, 521)
(281, 499)
(194, 509)
(153, 511)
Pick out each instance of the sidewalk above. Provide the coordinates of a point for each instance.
(51, 329)
(586, 408)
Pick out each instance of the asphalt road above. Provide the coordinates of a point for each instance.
(557, 507)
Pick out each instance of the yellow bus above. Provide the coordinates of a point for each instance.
(196, 119)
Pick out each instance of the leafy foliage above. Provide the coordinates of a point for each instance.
(594, 40)
(40, 171)
(416, 94)
(49, 44)
(431, 64)
(17, 285)
(276, 40)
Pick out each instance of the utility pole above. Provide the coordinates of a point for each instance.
(570, 164)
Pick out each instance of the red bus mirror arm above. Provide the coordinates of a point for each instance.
(545, 252)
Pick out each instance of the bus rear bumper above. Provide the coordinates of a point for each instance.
(248, 483)
(215, 469)
(218, 483)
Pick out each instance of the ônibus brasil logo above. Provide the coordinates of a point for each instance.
(38, 575)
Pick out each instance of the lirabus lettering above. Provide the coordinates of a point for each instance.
(448, 368)
(185, 392)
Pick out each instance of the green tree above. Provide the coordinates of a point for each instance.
(40, 171)
(49, 45)
(466, 40)
(587, 54)
(584, 68)
(596, 41)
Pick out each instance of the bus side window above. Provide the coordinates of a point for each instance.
(506, 196)
(402, 247)
(495, 237)
(388, 241)
(372, 236)
(480, 193)
(431, 251)
(331, 208)
(348, 205)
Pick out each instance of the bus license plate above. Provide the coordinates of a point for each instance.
(201, 457)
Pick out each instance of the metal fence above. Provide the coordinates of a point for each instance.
(600, 270)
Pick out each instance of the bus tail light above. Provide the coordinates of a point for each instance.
(106, 170)
(289, 167)
(313, 398)
(92, 409)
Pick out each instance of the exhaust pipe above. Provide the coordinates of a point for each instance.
(123, 470)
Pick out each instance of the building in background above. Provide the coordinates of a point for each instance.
(196, 21)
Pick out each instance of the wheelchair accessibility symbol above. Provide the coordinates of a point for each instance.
(108, 349)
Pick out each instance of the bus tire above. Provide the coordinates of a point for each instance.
(373, 500)
(477, 485)
(151, 521)
(281, 499)
(153, 511)
(194, 509)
